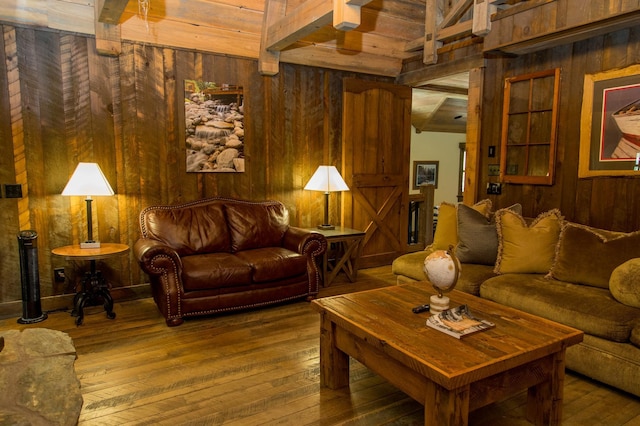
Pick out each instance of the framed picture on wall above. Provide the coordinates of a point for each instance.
(610, 123)
(214, 122)
(425, 173)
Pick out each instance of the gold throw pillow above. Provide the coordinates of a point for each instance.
(526, 249)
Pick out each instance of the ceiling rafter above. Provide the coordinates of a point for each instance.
(440, 28)
(107, 28)
(281, 31)
(111, 11)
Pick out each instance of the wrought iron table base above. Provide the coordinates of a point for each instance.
(95, 291)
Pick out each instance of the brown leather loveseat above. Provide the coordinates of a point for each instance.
(217, 255)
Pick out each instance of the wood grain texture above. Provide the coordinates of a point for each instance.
(376, 144)
(65, 103)
(262, 367)
(601, 202)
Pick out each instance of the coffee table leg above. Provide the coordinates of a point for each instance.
(446, 407)
(544, 401)
(334, 364)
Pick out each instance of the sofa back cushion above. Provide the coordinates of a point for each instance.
(256, 225)
(193, 228)
(588, 256)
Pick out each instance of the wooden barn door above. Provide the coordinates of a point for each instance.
(376, 145)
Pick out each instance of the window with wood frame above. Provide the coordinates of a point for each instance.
(529, 123)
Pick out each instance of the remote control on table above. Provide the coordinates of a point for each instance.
(421, 308)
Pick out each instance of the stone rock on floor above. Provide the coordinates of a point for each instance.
(37, 377)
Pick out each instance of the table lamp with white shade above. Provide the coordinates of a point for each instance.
(326, 179)
(88, 180)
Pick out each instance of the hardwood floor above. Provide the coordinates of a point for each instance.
(261, 367)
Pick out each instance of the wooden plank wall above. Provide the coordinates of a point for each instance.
(604, 202)
(62, 103)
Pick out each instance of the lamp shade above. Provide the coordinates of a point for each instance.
(326, 179)
(88, 180)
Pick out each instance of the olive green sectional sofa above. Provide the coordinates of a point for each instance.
(580, 276)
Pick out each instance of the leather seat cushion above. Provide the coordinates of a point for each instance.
(274, 263)
(214, 270)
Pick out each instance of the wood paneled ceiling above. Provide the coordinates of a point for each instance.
(440, 105)
(425, 44)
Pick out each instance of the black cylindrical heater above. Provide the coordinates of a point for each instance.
(31, 308)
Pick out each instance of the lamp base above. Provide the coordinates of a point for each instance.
(326, 227)
(90, 245)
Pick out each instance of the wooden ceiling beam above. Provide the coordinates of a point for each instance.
(456, 12)
(269, 60)
(280, 31)
(439, 27)
(444, 89)
(306, 19)
(111, 11)
(482, 11)
(346, 14)
(433, 16)
(320, 56)
(510, 39)
(422, 76)
(108, 41)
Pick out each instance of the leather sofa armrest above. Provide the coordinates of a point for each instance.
(312, 245)
(156, 258)
(303, 241)
(164, 267)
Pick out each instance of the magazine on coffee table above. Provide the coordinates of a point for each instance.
(458, 322)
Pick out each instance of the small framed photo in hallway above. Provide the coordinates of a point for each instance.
(425, 173)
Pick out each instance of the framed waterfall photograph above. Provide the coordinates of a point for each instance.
(610, 123)
(425, 173)
(214, 123)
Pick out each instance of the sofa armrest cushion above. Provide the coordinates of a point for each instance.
(588, 256)
(624, 283)
(256, 225)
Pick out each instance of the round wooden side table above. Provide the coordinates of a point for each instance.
(94, 287)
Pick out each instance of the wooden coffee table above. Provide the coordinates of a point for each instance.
(450, 377)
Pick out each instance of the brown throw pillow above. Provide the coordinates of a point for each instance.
(447, 228)
(588, 256)
(477, 236)
(526, 249)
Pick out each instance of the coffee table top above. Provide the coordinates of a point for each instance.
(383, 318)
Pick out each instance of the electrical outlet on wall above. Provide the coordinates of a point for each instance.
(58, 275)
